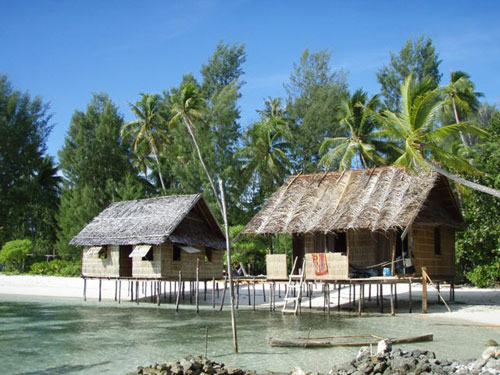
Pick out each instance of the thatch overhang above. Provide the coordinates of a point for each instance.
(378, 199)
(178, 218)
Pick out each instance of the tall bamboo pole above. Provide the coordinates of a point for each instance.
(229, 273)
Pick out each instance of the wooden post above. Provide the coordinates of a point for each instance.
(438, 291)
(205, 291)
(119, 291)
(392, 300)
(328, 297)
(237, 293)
(131, 284)
(393, 253)
(381, 285)
(350, 294)
(353, 295)
(309, 290)
(228, 254)
(254, 296)
(409, 297)
(191, 287)
(213, 292)
(339, 288)
(100, 284)
(158, 283)
(137, 291)
(84, 288)
(424, 290)
(396, 295)
(223, 294)
(248, 289)
(217, 288)
(279, 290)
(264, 291)
(360, 298)
(178, 292)
(197, 285)
(369, 292)
(170, 291)
(116, 290)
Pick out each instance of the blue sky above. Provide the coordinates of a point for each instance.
(66, 50)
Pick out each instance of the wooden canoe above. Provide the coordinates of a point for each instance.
(315, 343)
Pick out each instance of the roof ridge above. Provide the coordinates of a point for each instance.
(157, 198)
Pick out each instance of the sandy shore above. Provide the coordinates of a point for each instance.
(472, 305)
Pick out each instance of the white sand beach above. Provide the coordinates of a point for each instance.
(471, 305)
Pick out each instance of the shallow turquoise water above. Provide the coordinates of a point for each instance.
(45, 336)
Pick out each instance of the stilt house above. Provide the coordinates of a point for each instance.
(153, 238)
(365, 221)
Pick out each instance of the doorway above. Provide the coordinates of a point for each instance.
(125, 261)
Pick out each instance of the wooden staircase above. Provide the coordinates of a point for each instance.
(295, 282)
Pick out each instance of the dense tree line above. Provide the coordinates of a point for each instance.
(186, 138)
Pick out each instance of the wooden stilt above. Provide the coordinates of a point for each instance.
(197, 285)
(424, 290)
(100, 285)
(309, 290)
(360, 298)
(205, 290)
(116, 290)
(254, 296)
(392, 300)
(324, 297)
(84, 289)
(350, 295)
(248, 289)
(353, 296)
(178, 292)
(170, 291)
(369, 292)
(378, 299)
(237, 293)
(159, 292)
(409, 297)
(279, 290)
(136, 291)
(264, 291)
(223, 294)
(396, 295)
(119, 291)
(438, 291)
(339, 288)
(183, 290)
(213, 292)
(381, 286)
(217, 288)
(191, 284)
(328, 297)
(131, 284)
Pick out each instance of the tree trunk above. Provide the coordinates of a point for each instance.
(462, 181)
(462, 136)
(158, 165)
(190, 127)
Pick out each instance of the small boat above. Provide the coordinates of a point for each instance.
(311, 342)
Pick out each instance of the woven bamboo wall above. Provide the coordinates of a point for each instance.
(309, 243)
(147, 268)
(276, 267)
(92, 265)
(187, 264)
(363, 247)
(438, 266)
(338, 267)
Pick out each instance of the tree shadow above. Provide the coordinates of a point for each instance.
(64, 369)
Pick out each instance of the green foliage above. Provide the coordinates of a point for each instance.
(314, 93)
(418, 57)
(478, 248)
(249, 249)
(485, 275)
(57, 267)
(29, 185)
(95, 165)
(13, 254)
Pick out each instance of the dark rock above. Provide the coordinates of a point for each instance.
(365, 367)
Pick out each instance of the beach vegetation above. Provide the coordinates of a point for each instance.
(14, 254)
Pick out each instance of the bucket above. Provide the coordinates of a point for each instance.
(386, 271)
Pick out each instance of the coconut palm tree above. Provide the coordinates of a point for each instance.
(421, 142)
(187, 105)
(361, 143)
(460, 98)
(146, 131)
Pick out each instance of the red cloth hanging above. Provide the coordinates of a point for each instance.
(320, 264)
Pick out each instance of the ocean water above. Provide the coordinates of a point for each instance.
(47, 336)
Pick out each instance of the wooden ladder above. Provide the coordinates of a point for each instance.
(294, 283)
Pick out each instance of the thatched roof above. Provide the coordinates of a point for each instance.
(153, 221)
(377, 199)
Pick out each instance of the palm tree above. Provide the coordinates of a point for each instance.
(421, 141)
(188, 105)
(460, 97)
(265, 150)
(146, 130)
(360, 143)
